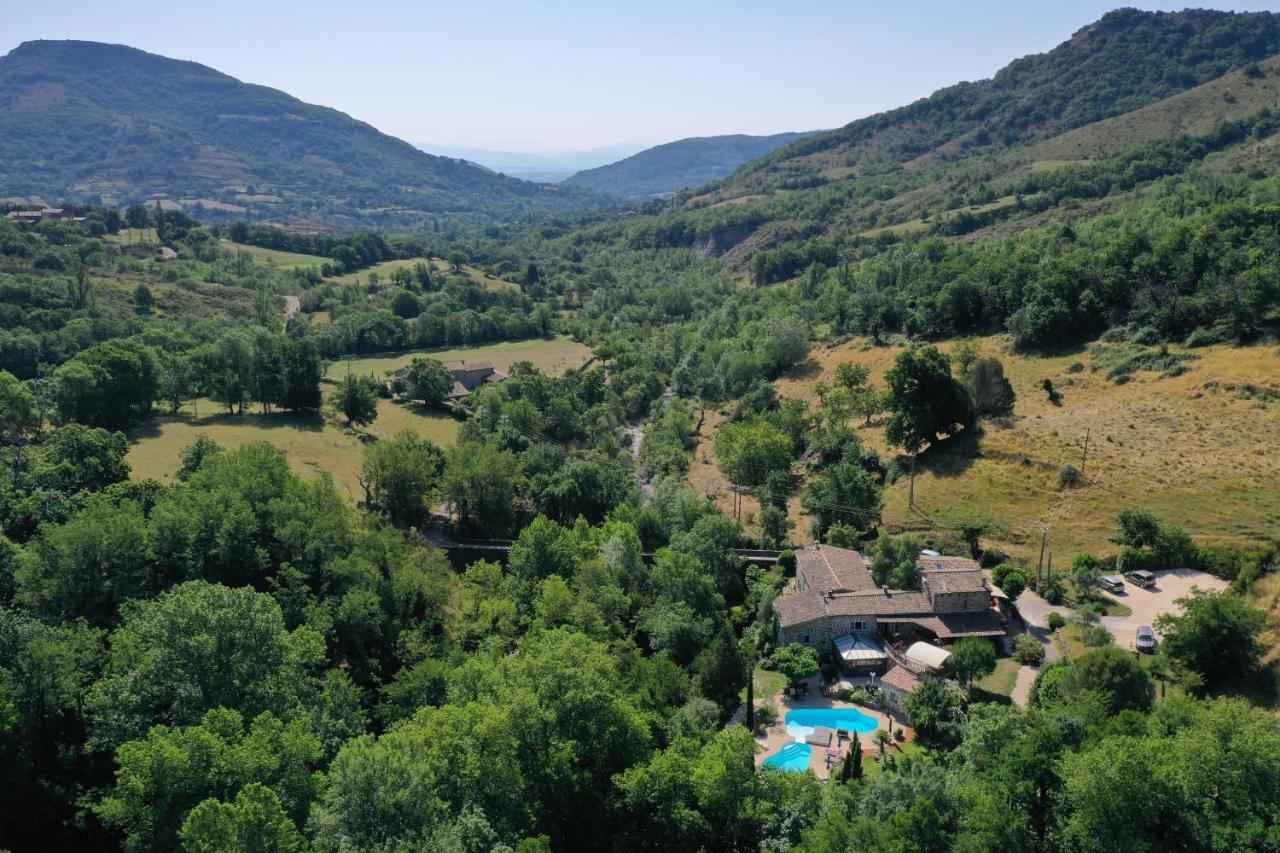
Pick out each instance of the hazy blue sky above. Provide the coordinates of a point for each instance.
(557, 74)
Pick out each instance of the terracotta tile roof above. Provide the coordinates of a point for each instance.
(930, 562)
(827, 569)
(878, 603)
(799, 607)
(984, 624)
(901, 678)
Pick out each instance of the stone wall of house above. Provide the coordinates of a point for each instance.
(816, 631)
(959, 602)
(841, 625)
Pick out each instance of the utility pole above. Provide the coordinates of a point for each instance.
(911, 493)
(1085, 458)
(1044, 532)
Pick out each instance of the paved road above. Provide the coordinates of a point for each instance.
(1147, 604)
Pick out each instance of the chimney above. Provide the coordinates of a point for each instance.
(886, 589)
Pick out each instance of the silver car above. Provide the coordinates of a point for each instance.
(1146, 641)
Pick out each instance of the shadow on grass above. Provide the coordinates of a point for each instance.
(977, 694)
(807, 369)
(1261, 687)
(306, 421)
(952, 457)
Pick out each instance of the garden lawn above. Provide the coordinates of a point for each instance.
(900, 751)
(1001, 681)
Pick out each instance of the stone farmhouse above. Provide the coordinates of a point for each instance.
(837, 606)
(469, 377)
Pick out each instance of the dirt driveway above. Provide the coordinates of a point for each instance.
(1147, 604)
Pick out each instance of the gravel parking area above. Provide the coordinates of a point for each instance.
(1147, 604)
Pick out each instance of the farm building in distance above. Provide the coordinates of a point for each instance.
(466, 377)
(47, 214)
(469, 377)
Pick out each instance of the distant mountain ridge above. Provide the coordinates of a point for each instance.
(85, 120)
(549, 167)
(678, 165)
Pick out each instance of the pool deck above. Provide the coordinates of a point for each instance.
(776, 737)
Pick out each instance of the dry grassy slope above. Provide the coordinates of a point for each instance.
(1202, 458)
(1194, 112)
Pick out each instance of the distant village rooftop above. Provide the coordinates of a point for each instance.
(50, 214)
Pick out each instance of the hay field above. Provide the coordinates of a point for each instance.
(1201, 450)
(386, 268)
(312, 444)
(554, 357)
(282, 259)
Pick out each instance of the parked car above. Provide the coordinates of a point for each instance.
(1146, 641)
(1140, 577)
(1111, 583)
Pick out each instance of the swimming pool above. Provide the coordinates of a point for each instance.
(793, 757)
(801, 721)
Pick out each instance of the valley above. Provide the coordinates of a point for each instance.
(912, 485)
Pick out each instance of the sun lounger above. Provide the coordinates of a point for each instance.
(820, 736)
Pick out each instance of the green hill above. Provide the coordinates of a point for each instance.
(1051, 136)
(1126, 60)
(678, 165)
(89, 121)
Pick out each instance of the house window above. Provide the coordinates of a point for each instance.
(859, 625)
(806, 639)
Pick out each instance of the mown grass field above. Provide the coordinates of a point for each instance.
(314, 445)
(553, 357)
(1197, 450)
(311, 444)
(386, 268)
(282, 259)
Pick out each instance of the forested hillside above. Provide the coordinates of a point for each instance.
(1124, 61)
(683, 164)
(148, 126)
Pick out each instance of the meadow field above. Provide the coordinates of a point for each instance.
(1195, 449)
(386, 268)
(312, 444)
(553, 356)
(282, 259)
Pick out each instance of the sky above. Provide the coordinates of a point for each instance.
(557, 75)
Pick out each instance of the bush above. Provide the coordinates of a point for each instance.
(1202, 338)
(787, 559)
(1051, 590)
(1095, 636)
(1027, 650)
(1069, 477)
(1133, 559)
(1056, 621)
(766, 715)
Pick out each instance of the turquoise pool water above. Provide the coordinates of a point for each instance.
(793, 756)
(801, 722)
